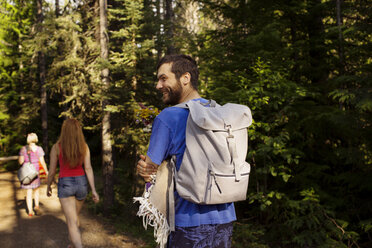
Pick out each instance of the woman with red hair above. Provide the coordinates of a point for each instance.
(75, 172)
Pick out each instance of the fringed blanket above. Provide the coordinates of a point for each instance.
(157, 203)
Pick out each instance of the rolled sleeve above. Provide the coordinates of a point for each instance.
(23, 152)
(40, 152)
(159, 142)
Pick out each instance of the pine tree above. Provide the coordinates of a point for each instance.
(107, 162)
(42, 75)
(17, 84)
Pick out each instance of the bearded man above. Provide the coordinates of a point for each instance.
(195, 225)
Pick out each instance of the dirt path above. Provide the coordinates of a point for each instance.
(17, 230)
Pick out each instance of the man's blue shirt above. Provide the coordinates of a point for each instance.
(168, 139)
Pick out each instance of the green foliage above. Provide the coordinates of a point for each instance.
(306, 79)
(248, 235)
(73, 75)
(10, 165)
(17, 85)
(308, 148)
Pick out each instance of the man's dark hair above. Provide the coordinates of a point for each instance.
(180, 65)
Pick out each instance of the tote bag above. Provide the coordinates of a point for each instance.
(27, 172)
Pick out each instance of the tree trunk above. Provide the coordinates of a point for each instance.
(42, 73)
(191, 17)
(107, 163)
(57, 8)
(293, 28)
(159, 45)
(340, 36)
(169, 25)
(317, 53)
(134, 78)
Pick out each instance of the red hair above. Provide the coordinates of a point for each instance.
(72, 143)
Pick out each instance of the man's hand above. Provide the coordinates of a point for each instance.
(145, 169)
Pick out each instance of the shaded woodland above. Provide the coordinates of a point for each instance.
(303, 67)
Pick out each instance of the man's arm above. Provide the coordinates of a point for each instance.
(158, 147)
(146, 168)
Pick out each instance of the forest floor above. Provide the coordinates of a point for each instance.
(18, 230)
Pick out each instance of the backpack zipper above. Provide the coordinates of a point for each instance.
(215, 180)
(220, 175)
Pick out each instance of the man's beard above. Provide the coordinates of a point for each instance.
(174, 94)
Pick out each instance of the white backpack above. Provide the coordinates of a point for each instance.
(213, 168)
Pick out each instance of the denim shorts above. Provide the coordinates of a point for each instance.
(73, 186)
(209, 235)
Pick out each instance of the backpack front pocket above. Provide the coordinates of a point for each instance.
(223, 187)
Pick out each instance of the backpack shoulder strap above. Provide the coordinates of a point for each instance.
(211, 103)
(28, 151)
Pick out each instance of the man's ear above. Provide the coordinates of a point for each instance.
(185, 78)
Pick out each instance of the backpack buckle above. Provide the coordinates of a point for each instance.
(230, 135)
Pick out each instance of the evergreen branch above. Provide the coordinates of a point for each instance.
(339, 227)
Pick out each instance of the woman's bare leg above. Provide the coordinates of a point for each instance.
(36, 197)
(69, 208)
(29, 201)
(79, 205)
